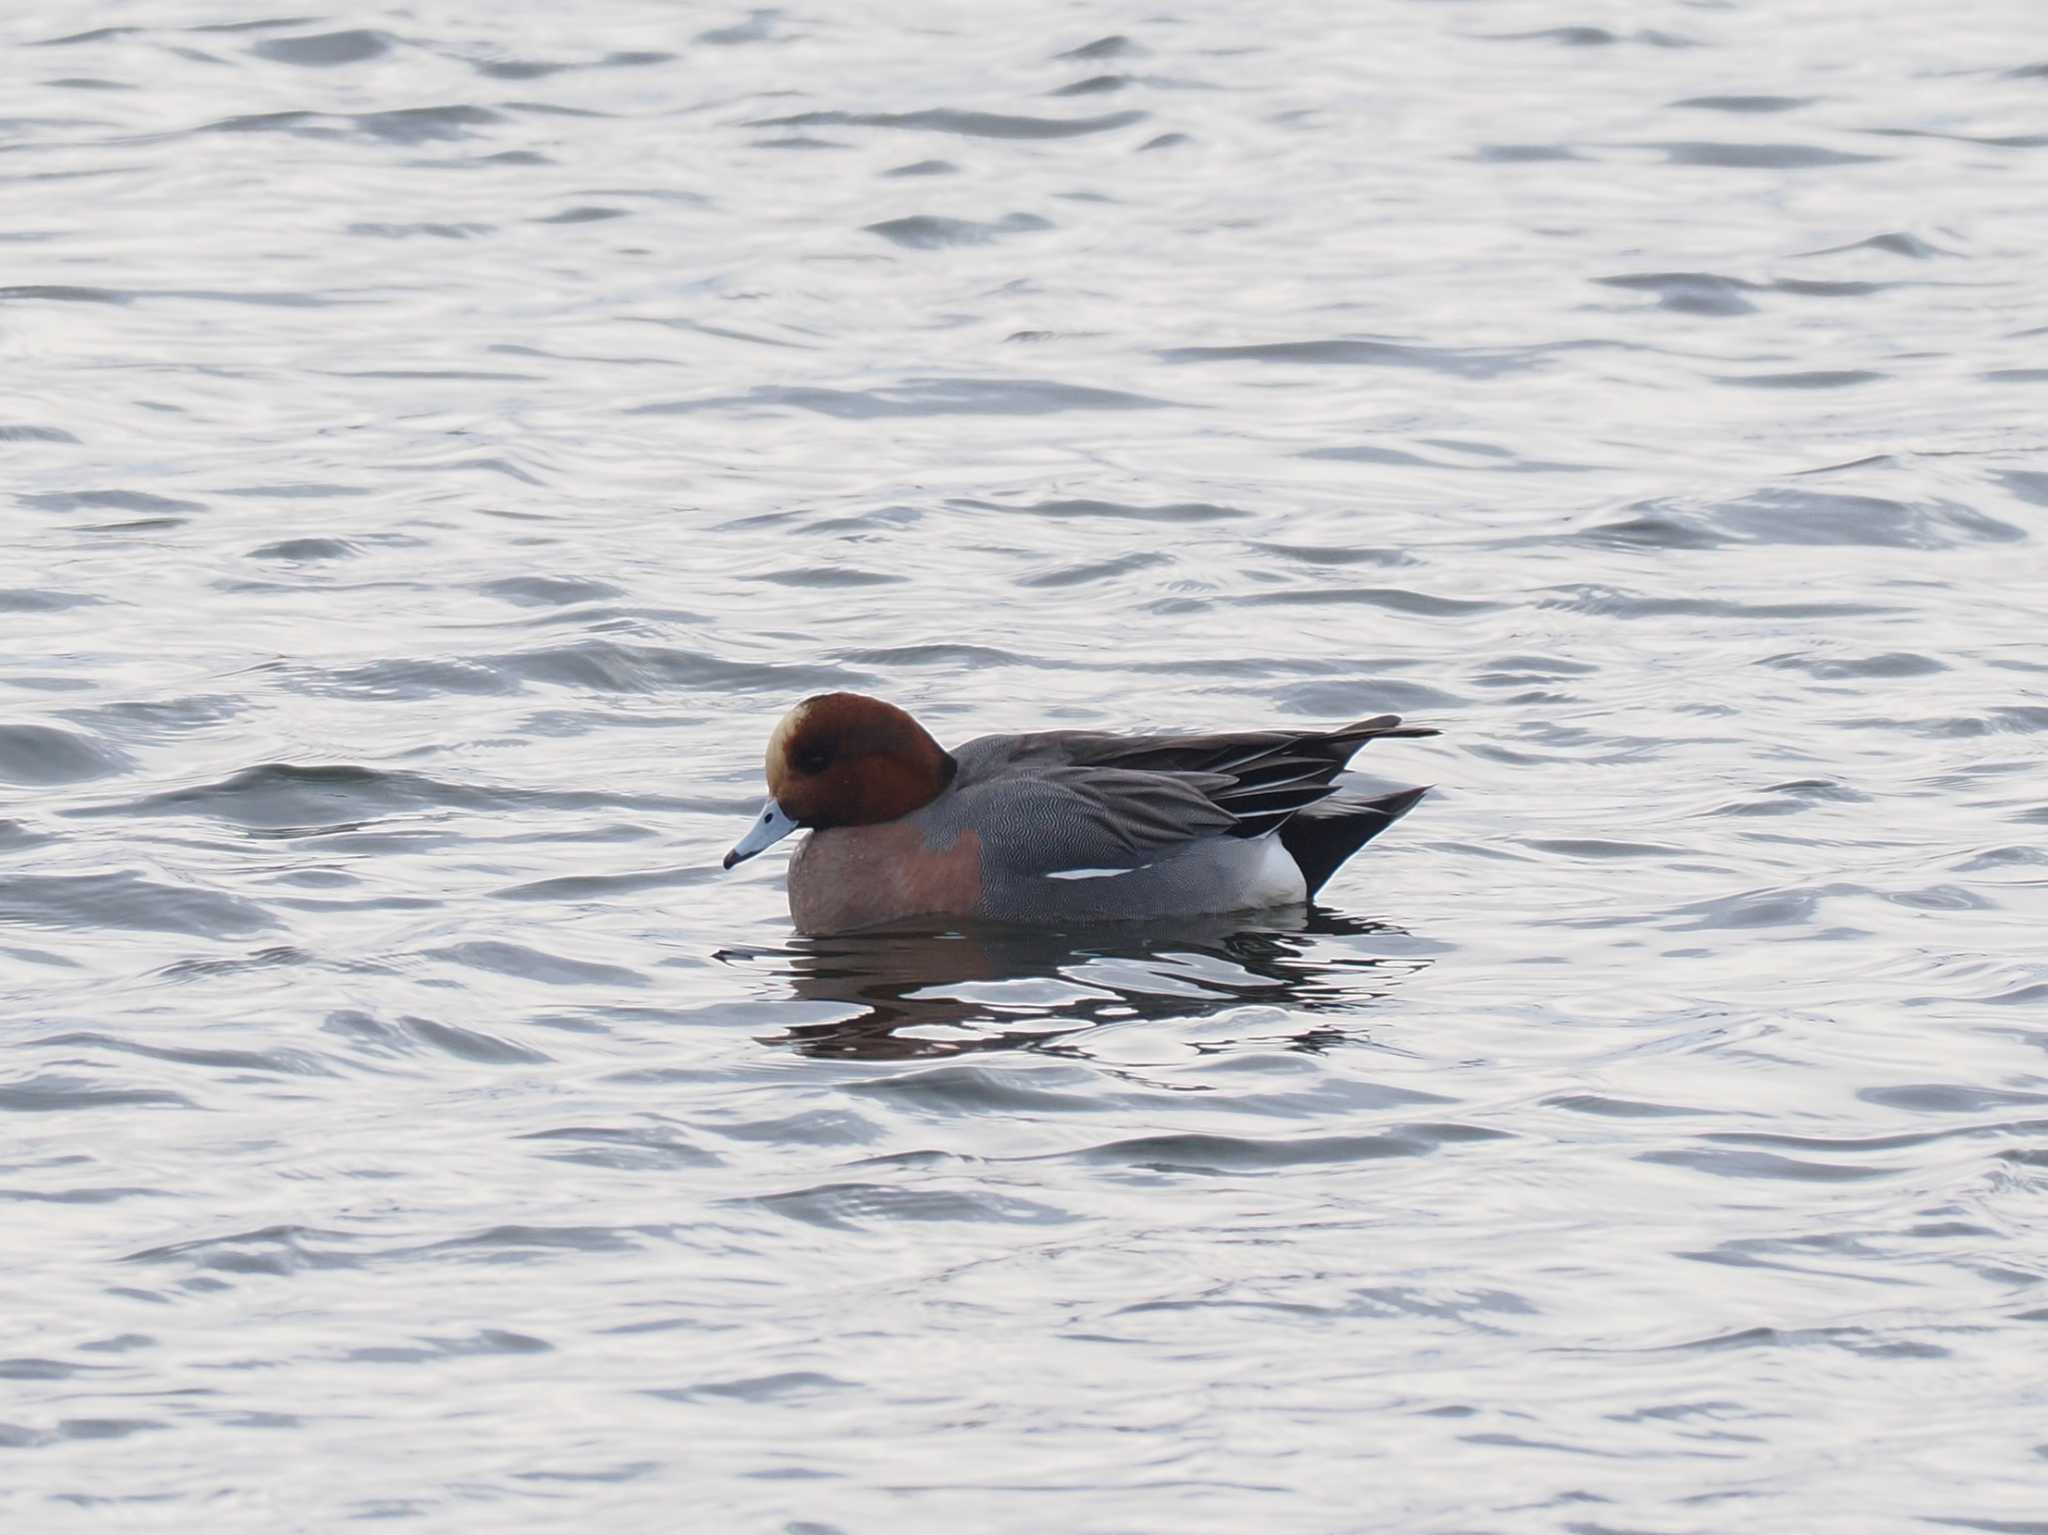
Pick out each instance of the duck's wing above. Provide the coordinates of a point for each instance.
(1136, 794)
(1267, 775)
(1057, 817)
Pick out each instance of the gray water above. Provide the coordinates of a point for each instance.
(441, 439)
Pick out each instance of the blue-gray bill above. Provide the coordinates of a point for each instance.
(769, 828)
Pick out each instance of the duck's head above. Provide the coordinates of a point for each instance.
(841, 759)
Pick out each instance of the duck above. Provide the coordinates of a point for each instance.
(1057, 828)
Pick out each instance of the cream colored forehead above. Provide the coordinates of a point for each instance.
(778, 743)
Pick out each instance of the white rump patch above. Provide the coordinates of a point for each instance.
(1089, 873)
(1278, 880)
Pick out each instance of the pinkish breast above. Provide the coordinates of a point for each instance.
(861, 876)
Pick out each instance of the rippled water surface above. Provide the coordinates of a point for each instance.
(441, 439)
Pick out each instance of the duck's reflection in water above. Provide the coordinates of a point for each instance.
(901, 995)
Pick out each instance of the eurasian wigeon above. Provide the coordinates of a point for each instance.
(1060, 827)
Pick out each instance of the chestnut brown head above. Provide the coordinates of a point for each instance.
(842, 759)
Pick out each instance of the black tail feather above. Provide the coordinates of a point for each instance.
(1321, 837)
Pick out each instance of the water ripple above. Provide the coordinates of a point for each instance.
(983, 125)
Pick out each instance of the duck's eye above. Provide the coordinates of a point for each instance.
(813, 759)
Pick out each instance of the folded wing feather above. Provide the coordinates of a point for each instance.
(1101, 801)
